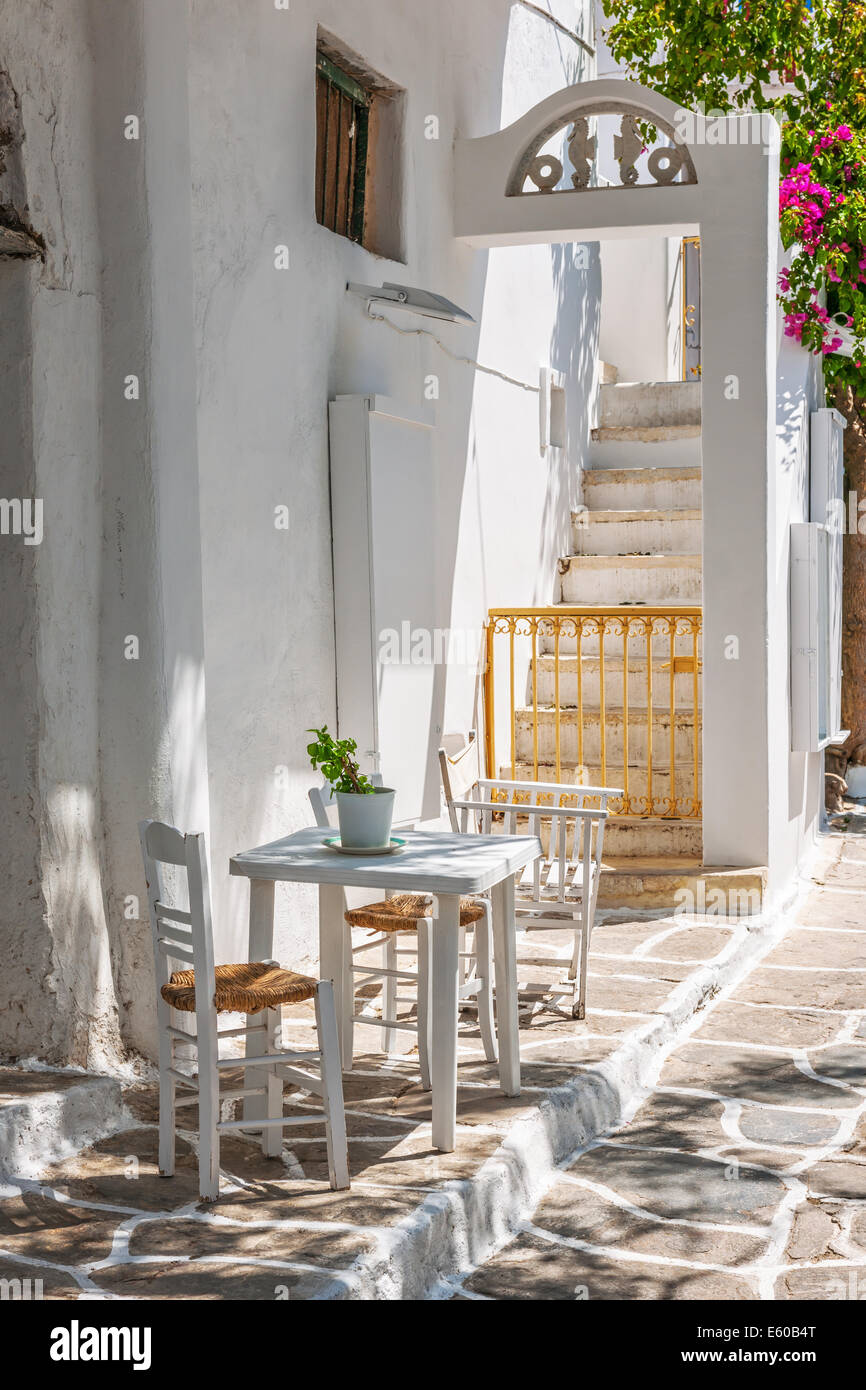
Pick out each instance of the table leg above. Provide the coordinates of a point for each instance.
(260, 946)
(505, 952)
(445, 989)
(335, 962)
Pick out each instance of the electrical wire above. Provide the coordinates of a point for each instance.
(455, 357)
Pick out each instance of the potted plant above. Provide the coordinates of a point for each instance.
(365, 812)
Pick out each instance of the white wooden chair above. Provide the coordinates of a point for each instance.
(402, 925)
(558, 891)
(184, 935)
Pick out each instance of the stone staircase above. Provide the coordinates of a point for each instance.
(636, 542)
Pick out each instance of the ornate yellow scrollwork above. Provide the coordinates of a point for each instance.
(619, 704)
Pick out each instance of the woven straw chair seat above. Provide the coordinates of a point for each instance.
(403, 912)
(245, 989)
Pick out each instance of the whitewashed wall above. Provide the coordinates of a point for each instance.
(161, 509)
(796, 783)
(57, 997)
(640, 309)
(274, 346)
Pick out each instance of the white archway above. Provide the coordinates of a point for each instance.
(731, 200)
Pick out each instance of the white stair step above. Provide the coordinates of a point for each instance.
(627, 836)
(685, 726)
(663, 883)
(644, 434)
(653, 837)
(669, 531)
(636, 488)
(650, 404)
(614, 672)
(680, 451)
(615, 579)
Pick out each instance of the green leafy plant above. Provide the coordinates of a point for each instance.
(338, 767)
(823, 214)
(805, 61)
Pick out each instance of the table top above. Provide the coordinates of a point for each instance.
(432, 862)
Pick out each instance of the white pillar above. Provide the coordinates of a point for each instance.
(739, 239)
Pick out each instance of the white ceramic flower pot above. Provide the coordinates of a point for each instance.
(365, 818)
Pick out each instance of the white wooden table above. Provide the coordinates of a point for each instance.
(445, 865)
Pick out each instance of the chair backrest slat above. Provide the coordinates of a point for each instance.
(172, 914)
(460, 770)
(174, 952)
(183, 935)
(569, 821)
(164, 844)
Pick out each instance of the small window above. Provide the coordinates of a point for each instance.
(343, 128)
(359, 150)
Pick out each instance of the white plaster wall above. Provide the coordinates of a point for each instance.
(159, 517)
(273, 347)
(796, 779)
(159, 512)
(636, 309)
(639, 309)
(57, 995)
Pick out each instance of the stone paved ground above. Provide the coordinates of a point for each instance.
(738, 1178)
(104, 1224)
(743, 1174)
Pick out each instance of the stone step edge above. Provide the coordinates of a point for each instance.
(645, 434)
(652, 473)
(605, 516)
(451, 1232)
(547, 661)
(52, 1125)
(637, 713)
(654, 560)
(620, 865)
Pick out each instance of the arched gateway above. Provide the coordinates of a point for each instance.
(719, 179)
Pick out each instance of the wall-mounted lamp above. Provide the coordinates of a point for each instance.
(431, 306)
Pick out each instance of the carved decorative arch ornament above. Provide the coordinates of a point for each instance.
(540, 172)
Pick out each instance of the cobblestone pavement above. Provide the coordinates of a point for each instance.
(104, 1224)
(738, 1178)
(743, 1174)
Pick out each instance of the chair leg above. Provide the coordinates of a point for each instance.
(346, 1005)
(272, 1136)
(484, 970)
(425, 1001)
(578, 1009)
(167, 1091)
(574, 967)
(208, 1105)
(332, 1087)
(389, 992)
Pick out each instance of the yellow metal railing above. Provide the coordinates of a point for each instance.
(599, 695)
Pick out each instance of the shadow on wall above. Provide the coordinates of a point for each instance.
(25, 945)
(132, 697)
(799, 391)
(574, 352)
